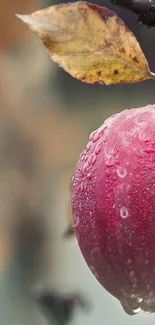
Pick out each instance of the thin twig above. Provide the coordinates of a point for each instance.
(145, 9)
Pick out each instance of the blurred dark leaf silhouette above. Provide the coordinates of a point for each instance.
(61, 306)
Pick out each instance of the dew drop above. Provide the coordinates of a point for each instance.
(149, 150)
(86, 196)
(76, 222)
(151, 294)
(82, 154)
(98, 148)
(121, 172)
(110, 162)
(124, 212)
(89, 161)
(102, 132)
(105, 139)
(96, 136)
(137, 310)
(141, 136)
(81, 187)
(133, 296)
(148, 287)
(92, 136)
(84, 168)
(85, 157)
(94, 160)
(90, 213)
(110, 156)
(92, 268)
(80, 207)
(94, 252)
(139, 300)
(129, 261)
(88, 146)
(89, 176)
(140, 123)
(110, 120)
(133, 277)
(108, 172)
(72, 180)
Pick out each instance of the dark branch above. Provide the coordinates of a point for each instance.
(145, 9)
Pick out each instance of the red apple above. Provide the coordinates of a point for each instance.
(113, 205)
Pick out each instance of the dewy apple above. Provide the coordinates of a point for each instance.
(113, 205)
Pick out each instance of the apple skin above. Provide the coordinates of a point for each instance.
(113, 207)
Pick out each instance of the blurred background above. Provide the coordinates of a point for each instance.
(45, 119)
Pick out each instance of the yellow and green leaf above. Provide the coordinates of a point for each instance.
(90, 42)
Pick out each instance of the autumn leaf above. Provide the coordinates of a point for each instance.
(90, 42)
